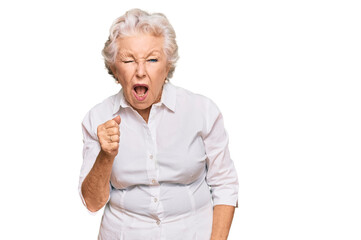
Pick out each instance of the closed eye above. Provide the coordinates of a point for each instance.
(130, 61)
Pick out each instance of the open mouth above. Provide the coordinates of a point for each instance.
(140, 91)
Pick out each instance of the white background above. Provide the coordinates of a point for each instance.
(285, 74)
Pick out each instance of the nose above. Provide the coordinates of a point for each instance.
(141, 71)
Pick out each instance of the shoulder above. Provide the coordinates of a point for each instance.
(195, 101)
(197, 110)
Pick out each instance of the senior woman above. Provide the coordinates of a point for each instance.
(155, 155)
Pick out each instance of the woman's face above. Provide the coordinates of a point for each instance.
(141, 68)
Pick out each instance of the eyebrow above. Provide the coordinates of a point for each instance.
(130, 54)
(154, 51)
(125, 54)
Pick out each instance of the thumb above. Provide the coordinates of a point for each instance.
(117, 119)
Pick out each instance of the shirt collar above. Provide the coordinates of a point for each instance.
(169, 95)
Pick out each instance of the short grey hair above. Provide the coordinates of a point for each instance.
(137, 21)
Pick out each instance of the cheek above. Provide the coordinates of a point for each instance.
(124, 79)
(159, 72)
(125, 73)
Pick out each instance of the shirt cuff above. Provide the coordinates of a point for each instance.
(228, 202)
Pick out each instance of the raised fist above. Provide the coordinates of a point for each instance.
(108, 135)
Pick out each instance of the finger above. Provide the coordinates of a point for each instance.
(102, 135)
(114, 146)
(110, 124)
(113, 131)
(113, 123)
(114, 138)
(100, 128)
(117, 119)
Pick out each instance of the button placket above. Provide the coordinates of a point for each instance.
(151, 166)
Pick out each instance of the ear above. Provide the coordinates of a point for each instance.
(113, 69)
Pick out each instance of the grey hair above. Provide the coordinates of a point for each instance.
(137, 21)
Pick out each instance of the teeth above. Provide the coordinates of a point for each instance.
(140, 95)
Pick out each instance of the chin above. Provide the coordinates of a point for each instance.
(141, 106)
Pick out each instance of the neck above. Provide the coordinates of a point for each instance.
(144, 113)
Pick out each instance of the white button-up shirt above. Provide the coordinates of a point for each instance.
(169, 172)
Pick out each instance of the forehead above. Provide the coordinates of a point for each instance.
(140, 45)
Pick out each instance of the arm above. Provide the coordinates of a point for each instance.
(95, 187)
(222, 220)
(221, 173)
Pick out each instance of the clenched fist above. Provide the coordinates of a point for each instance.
(108, 135)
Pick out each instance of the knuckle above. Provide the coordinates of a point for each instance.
(100, 128)
(113, 131)
(116, 131)
(101, 136)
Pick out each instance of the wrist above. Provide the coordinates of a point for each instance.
(106, 157)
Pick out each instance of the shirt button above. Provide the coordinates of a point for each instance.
(154, 181)
(158, 222)
(151, 156)
(155, 199)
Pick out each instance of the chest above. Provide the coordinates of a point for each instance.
(169, 149)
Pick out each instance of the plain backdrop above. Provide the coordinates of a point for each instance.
(285, 74)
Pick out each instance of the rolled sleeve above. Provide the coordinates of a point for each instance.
(221, 173)
(91, 149)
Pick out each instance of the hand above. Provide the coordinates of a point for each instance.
(108, 135)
